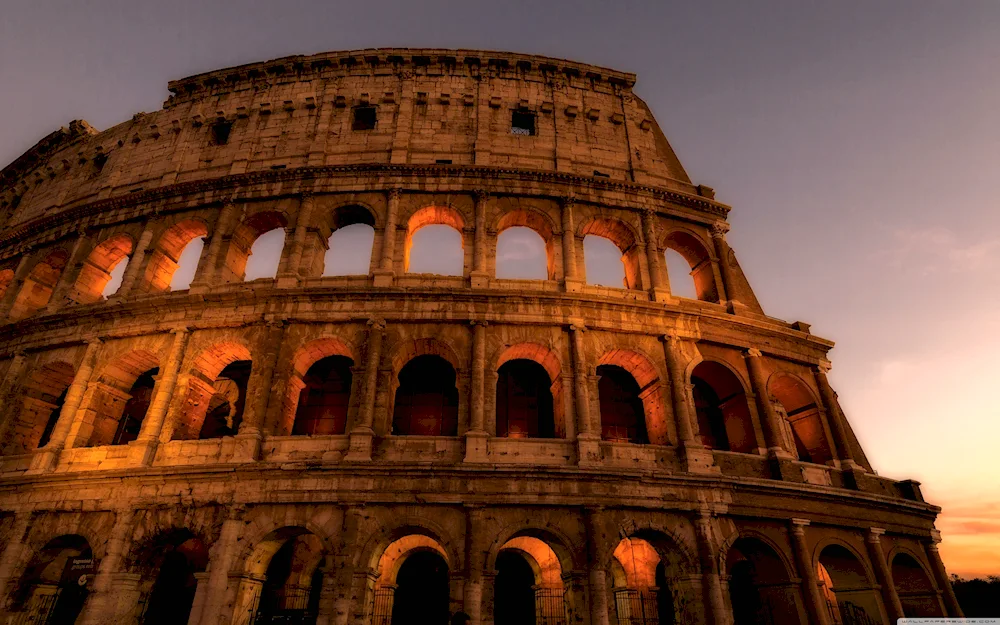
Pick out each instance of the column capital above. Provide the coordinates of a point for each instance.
(481, 195)
(719, 229)
(567, 200)
(235, 511)
(479, 322)
(181, 330)
(753, 352)
(874, 533)
(798, 526)
(306, 196)
(376, 323)
(823, 366)
(393, 193)
(577, 327)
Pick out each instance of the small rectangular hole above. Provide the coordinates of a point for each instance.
(443, 161)
(220, 132)
(364, 118)
(522, 123)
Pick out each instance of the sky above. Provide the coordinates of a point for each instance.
(858, 142)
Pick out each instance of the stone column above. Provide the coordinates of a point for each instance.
(476, 437)
(200, 596)
(480, 276)
(587, 436)
(695, 457)
(660, 290)
(889, 596)
(142, 452)
(64, 286)
(299, 235)
(101, 605)
(46, 458)
(14, 288)
(207, 276)
(248, 439)
(815, 604)
(385, 273)
(718, 614)
(571, 273)
(727, 289)
(768, 415)
(135, 264)
(344, 567)
(8, 392)
(597, 576)
(220, 562)
(360, 449)
(836, 417)
(941, 575)
(13, 551)
(472, 600)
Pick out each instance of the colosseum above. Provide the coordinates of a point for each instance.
(182, 443)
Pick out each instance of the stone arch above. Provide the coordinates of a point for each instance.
(116, 405)
(569, 559)
(846, 579)
(536, 221)
(40, 401)
(36, 292)
(914, 584)
(304, 359)
(389, 530)
(425, 397)
(360, 220)
(761, 537)
(96, 270)
(209, 392)
(50, 585)
(427, 216)
(408, 350)
(626, 238)
(695, 251)
(165, 254)
(760, 581)
(650, 390)
(548, 361)
(802, 419)
(243, 238)
(167, 563)
(722, 406)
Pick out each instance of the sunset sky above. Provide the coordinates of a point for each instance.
(858, 142)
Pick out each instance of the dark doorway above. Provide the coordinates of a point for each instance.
(743, 593)
(711, 421)
(324, 400)
(50, 423)
(135, 408)
(664, 597)
(514, 594)
(426, 400)
(173, 593)
(622, 415)
(524, 401)
(284, 603)
(225, 413)
(421, 590)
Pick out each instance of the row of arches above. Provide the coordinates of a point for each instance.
(259, 246)
(320, 394)
(531, 577)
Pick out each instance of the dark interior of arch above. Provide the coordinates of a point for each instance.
(426, 399)
(282, 603)
(223, 417)
(514, 592)
(622, 415)
(61, 562)
(421, 594)
(326, 397)
(351, 215)
(141, 396)
(722, 409)
(173, 565)
(524, 401)
(758, 585)
(53, 418)
(916, 593)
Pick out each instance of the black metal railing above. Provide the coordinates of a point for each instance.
(637, 607)
(550, 606)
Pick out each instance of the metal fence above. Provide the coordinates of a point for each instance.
(382, 608)
(637, 607)
(550, 607)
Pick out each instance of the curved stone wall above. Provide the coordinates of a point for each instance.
(153, 428)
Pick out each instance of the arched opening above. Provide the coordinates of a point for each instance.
(850, 596)
(698, 261)
(647, 577)
(434, 242)
(914, 588)
(174, 259)
(524, 401)
(255, 248)
(528, 587)
(801, 418)
(759, 587)
(167, 566)
(325, 397)
(522, 254)
(37, 289)
(721, 406)
(117, 404)
(352, 238)
(42, 396)
(412, 586)
(622, 416)
(216, 391)
(283, 580)
(101, 274)
(599, 258)
(265, 254)
(679, 274)
(426, 400)
(56, 583)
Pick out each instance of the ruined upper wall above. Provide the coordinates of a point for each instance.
(447, 107)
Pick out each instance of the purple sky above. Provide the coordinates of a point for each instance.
(858, 142)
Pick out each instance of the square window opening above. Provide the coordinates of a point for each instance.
(220, 132)
(364, 118)
(522, 123)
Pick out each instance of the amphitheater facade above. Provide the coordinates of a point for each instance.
(395, 447)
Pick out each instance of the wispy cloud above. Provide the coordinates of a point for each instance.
(939, 250)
